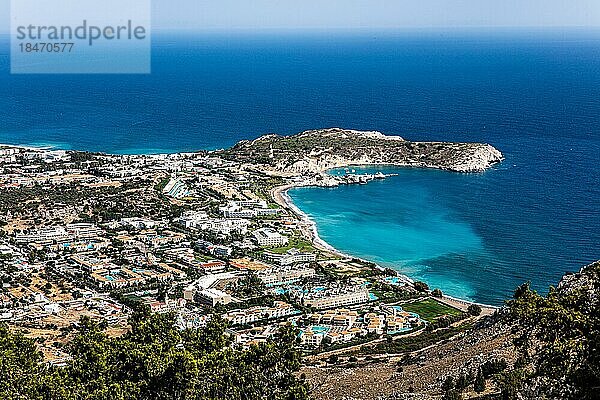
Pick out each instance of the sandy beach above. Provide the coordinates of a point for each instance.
(308, 226)
(309, 229)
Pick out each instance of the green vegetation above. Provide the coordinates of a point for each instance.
(295, 242)
(430, 309)
(285, 151)
(479, 384)
(154, 360)
(161, 185)
(391, 293)
(474, 310)
(250, 286)
(391, 296)
(558, 336)
(413, 343)
(421, 286)
(454, 387)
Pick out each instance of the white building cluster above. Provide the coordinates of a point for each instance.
(333, 296)
(203, 289)
(199, 220)
(285, 275)
(248, 209)
(268, 237)
(280, 309)
(290, 257)
(78, 237)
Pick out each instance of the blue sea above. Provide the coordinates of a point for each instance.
(535, 95)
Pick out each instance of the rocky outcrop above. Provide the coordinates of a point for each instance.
(585, 282)
(319, 150)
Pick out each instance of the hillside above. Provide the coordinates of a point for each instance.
(319, 150)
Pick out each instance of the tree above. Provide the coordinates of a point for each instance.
(437, 293)
(560, 332)
(421, 286)
(19, 365)
(251, 285)
(493, 366)
(510, 384)
(474, 310)
(448, 383)
(479, 384)
(155, 360)
(462, 382)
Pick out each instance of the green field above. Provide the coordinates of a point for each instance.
(295, 243)
(430, 309)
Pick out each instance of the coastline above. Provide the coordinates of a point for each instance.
(281, 197)
(30, 147)
(309, 227)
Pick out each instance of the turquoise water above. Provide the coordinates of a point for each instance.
(463, 233)
(319, 329)
(398, 223)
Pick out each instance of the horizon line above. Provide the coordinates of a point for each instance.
(363, 29)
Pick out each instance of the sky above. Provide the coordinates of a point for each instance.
(369, 14)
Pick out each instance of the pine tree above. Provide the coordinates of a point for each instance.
(479, 382)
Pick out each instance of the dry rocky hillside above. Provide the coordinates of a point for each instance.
(416, 375)
(316, 151)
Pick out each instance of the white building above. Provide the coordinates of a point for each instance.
(248, 209)
(237, 212)
(221, 251)
(292, 256)
(84, 230)
(176, 188)
(43, 234)
(200, 220)
(139, 223)
(192, 219)
(241, 317)
(52, 308)
(312, 339)
(284, 276)
(335, 298)
(269, 238)
(212, 297)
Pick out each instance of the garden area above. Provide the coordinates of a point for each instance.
(430, 309)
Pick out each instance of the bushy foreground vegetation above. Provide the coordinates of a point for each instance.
(154, 361)
(559, 339)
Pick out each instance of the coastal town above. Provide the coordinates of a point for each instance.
(203, 234)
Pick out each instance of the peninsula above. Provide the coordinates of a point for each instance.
(317, 151)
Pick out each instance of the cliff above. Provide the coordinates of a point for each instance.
(316, 151)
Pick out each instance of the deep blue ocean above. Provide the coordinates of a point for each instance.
(535, 95)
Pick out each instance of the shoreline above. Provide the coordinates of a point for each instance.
(308, 227)
(30, 147)
(281, 197)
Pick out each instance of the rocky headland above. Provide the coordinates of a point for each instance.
(316, 151)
